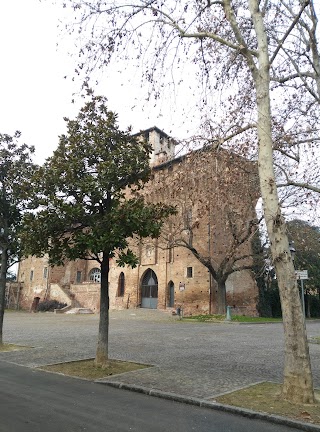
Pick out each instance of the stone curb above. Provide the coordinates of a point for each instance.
(308, 321)
(186, 320)
(213, 405)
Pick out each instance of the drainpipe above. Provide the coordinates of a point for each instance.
(18, 295)
(209, 250)
(138, 276)
(138, 285)
(166, 286)
(47, 282)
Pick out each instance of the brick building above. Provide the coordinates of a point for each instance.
(215, 193)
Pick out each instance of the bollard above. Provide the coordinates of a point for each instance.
(228, 317)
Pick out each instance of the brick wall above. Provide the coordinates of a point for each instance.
(209, 188)
(35, 281)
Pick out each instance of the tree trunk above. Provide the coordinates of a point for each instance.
(297, 385)
(221, 297)
(3, 275)
(103, 335)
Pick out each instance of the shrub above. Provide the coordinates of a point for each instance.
(50, 305)
(312, 306)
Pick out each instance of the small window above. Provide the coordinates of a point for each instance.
(31, 275)
(45, 272)
(171, 254)
(189, 272)
(187, 219)
(79, 274)
(95, 275)
(121, 285)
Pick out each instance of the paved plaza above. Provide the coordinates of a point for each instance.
(200, 360)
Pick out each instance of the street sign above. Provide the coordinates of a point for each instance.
(302, 274)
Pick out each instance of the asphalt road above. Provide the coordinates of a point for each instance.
(36, 401)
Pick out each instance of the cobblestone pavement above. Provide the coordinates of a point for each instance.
(192, 359)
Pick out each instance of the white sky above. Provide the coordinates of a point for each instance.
(34, 94)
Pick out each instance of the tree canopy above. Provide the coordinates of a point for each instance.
(90, 205)
(306, 238)
(221, 38)
(16, 169)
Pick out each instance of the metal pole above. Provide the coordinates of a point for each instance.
(209, 250)
(182, 309)
(228, 317)
(302, 300)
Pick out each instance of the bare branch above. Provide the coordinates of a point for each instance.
(288, 32)
(283, 80)
(299, 185)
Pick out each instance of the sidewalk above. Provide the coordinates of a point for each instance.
(197, 360)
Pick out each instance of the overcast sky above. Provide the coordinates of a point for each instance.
(34, 94)
(33, 90)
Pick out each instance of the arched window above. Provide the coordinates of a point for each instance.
(95, 275)
(121, 285)
(170, 294)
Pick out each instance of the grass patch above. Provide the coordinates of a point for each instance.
(87, 369)
(314, 339)
(265, 397)
(205, 318)
(14, 310)
(235, 318)
(11, 347)
(241, 318)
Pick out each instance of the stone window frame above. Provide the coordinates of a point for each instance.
(189, 272)
(187, 218)
(78, 276)
(170, 253)
(95, 275)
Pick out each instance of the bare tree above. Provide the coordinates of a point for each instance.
(215, 193)
(262, 58)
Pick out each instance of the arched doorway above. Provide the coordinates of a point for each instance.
(149, 290)
(170, 294)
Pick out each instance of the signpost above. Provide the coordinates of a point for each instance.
(182, 287)
(302, 275)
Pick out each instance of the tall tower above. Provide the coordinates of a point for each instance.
(163, 146)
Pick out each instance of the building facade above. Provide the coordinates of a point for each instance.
(215, 193)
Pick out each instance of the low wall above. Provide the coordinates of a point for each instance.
(87, 295)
